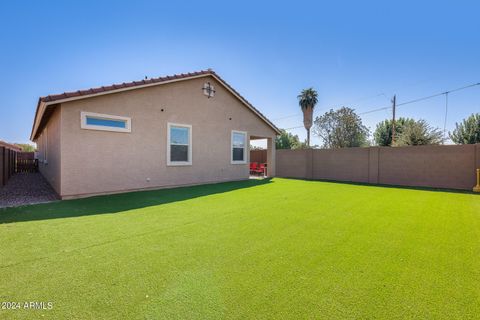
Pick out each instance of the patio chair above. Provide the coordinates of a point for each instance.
(253, 167)
(261, 169)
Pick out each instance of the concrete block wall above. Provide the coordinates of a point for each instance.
(446, 166)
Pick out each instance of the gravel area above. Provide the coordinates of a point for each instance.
(26, 188)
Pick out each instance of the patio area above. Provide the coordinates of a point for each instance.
(26, 188)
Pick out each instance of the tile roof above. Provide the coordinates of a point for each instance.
(124, 85)
(105, 89)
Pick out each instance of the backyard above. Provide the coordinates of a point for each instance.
(276, 248)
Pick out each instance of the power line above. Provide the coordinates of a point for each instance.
(438, 94)
(293, 128)
(445, 121)
(422, 98)
(354, 101)
(417, 100)
(374, 110)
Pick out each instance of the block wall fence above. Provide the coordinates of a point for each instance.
(445, 166)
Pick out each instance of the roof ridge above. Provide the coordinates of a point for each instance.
(79, 94)
(116, 86)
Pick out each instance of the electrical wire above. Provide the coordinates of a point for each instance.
(445, 121)
(293, 128)
(422, 98)
(417, 100)
(354, 101)
(438, 94)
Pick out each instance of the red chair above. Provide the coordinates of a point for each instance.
(261, 169)
(253, 167)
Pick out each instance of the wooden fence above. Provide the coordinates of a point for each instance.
(12, 161)
(259, 156)
(26, 162)
(7, 164)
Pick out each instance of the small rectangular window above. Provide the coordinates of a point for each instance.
(105, 122)
(179, 144)
(239, 147)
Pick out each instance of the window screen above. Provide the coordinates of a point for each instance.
(179, 143)
(238, 146)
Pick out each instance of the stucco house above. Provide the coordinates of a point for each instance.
(163, 132)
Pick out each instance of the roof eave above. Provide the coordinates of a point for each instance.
(42, 104)
(36, 122)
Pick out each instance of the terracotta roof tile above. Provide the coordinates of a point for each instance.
(113, 87)
(55, 97)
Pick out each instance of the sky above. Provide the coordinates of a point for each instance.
(354, 53)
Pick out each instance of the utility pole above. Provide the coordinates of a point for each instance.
(394, 105)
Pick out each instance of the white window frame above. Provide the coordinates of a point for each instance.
(179, 163)
(245, 147)
(84, 125)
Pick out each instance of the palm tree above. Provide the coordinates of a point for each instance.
(307, 99)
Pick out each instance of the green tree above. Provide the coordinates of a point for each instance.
(467, 132)
(341, 128)
(287, 140)
(419, 133)
(383, 132)
(26, 147)
(307, 99)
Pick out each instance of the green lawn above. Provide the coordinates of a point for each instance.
(253, 249)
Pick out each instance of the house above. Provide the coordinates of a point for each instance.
(163, 132)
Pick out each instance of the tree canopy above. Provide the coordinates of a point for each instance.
(308, 98)
(286, 140)
(341, 128)
(468, 131)
(383, 132)
(26, 147)
(419, 133)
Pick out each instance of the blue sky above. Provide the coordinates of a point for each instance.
(356, 54)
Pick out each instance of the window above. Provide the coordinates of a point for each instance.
(239, 146)
(179, 144)
(105, 122)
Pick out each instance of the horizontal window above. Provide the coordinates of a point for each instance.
(105, 122)
(239, 147)
(179, 144)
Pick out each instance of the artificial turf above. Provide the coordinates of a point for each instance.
(254, 249)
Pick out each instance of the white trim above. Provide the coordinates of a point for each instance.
(84, 125)
(179, 163)
(44, 105)
(245, 147)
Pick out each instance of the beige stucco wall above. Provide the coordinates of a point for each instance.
(450, 166)
(294, 163)
(429, 166)
(95, 162)
(347, 164)
(51, 169)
